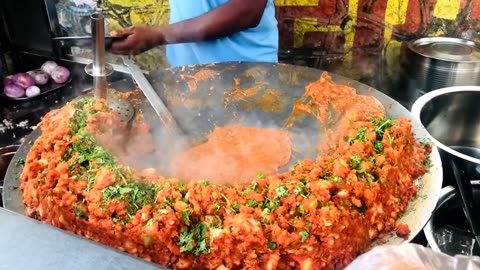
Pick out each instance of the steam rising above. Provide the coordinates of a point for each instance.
(199, 112)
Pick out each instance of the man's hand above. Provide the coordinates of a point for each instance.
(227, 19)
(137, 40)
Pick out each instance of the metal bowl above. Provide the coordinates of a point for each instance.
(452, 118)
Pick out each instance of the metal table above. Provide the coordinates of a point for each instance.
(29, 244)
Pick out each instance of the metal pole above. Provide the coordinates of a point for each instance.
(99, 67)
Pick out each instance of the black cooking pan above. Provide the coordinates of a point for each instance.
(199, 102)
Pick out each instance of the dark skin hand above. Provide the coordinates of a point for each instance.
(229, 18)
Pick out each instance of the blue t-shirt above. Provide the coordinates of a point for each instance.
(259, 44)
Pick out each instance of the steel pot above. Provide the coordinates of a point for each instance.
(452, 118)
(438, 62)
(448, 229)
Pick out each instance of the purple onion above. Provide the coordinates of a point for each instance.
(23, 80)
(32, 91)
(14, 91)
(60, 74)
(41, 78)
(48, 67)
(8, 80)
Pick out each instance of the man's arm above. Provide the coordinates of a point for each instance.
(229, 18)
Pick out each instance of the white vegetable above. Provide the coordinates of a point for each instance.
(48, 67)
(41, 78)
(32, 91)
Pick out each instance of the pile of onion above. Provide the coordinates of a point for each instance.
(27, 84)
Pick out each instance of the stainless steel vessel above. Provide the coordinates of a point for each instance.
(452, 118)
(448, 229)
(438, 62)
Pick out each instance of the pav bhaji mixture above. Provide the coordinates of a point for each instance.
(319, 215)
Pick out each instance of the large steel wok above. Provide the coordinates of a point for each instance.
(199, 102)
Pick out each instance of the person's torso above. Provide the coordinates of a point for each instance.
(259, 44)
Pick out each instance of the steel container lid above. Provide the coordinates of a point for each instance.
(447, 49)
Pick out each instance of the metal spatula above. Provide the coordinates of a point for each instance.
(100, 70)
(163, 113)
(118, 104)
(121, 106)
(166, 118)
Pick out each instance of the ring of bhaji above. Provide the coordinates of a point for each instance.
(319, 215)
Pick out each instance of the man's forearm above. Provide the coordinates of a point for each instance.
(232, 17)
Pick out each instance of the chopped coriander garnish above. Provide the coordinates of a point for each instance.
(260, 175)
(269, 204)
(252, 203)
(355, 161)
(19, 162)
(244, 192)
(79, 213)
(200, 235)
(194, 240)
(204, 182)
(359, 136)
(185, 215)
(271, 245)
(335, 179)
(378, 146)
(282, 192)
(301, 209)
(185, 241)
(136, 194)
(427, 162)
(381, 125)
(236, 206)
(167, 201)
(181, 187)
(304, 235)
